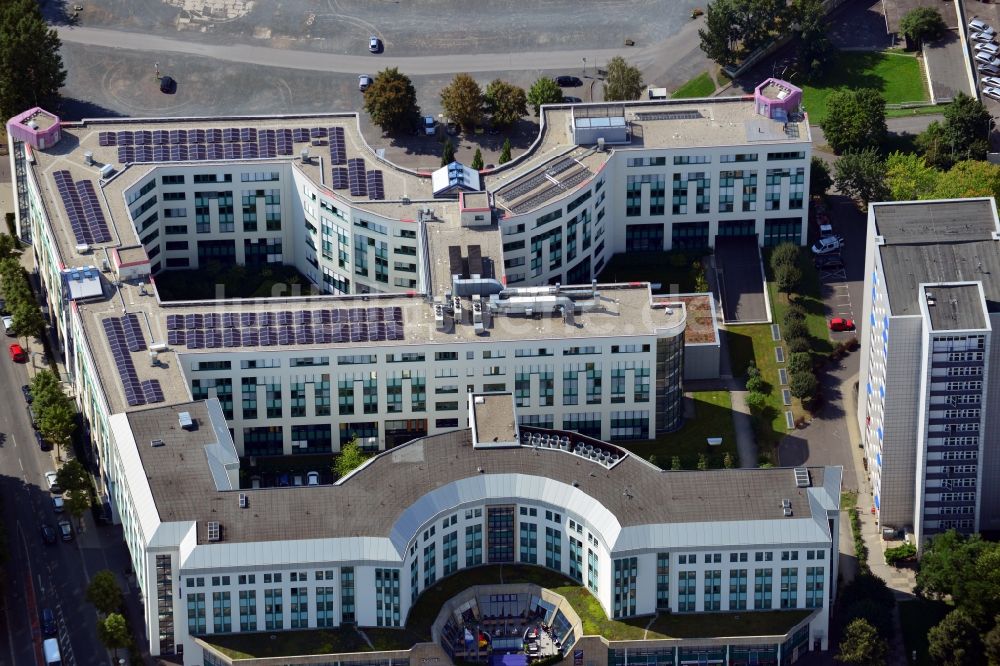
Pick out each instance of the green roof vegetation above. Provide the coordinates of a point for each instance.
(700, 86)
(897, 76)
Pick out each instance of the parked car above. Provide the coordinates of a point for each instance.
(43, 444)
(992, 91)
(991, 70)
(374, 44)
(364, 81)
(841, 324)
(429, 126)
(17, 353)
(312, 478)
(58, 504)
(568, 82)
(825, 229)
(828, 245)
(569, 99)
(65, 530)
(985, 36)
(26, 391)
(167, 85)
(987, 59)
(50, 481)
(990, 81)
(48, 533)
(49, 622)
(979, 25)
(985, 47)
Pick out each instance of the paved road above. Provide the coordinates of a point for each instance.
(327, 62)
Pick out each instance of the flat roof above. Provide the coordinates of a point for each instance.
(371, 500)
(937, 242)
(957, 307)
(494, 418)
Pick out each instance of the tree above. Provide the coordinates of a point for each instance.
(967, 127)
(31, 69)
(447, 152)
(787, 277)
(756, 384)
(813, 52)
(113, 632)
(45, 388)
(727, 461)
(959, 567)
(861, 175)
(756, 402)
(623, 82)
(855, 119)
(798, 344)
(675, 464)
(800, 362)
(702, 462)
(73, 477)
(477, 160)
(462, 101)
(820, 180)
(796, 328)
(862, 646)
(505, 102)
(504, 152)
(955, 641)
(971, 178)
(935, 146)
(28, 320)
(922, 24)
(991, 644)
(652, 460)
(104, 593)
(719, 36)
(785, 254)
(57, 424)
(7, 246)
(391, 101)
(804, 386)
(795, 312)
(544, 91)
(351, 457)
(908, 177)
(77, 503)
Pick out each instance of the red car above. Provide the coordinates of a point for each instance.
(841, 324)
(17, 353)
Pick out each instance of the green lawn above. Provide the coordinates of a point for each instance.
(917, 617)
(665, 268)
(897, 76)
(286, 643)
(749, 623)
(712, 418)
(232, 281)
(929, 109)
(700, 86)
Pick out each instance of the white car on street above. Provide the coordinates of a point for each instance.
(52, 483)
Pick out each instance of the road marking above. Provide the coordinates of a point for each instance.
(20, 464)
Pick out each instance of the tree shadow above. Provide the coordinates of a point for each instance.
(78, 109)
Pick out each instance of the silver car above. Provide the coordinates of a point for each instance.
(993, 81)
(992, 49)
(985, 36)
(987, 59)
(991, 70)
(364, 81)
(979, 25)
(992, 92)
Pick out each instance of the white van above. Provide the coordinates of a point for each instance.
(8, 325)
(52, 656)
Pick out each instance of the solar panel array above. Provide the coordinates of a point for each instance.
(268, 329)
(339, 179)
(83, 209)
(376, 189)
(356, 177)
(213, 143)
(133, 333)
(136, 392)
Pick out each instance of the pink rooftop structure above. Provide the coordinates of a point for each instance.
(777, 99)
(36, 127)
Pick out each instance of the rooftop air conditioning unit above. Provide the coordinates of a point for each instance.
(185, 420)
(156, 443)
(88, 158)
(107, 170)
(159, 347)
(244, 501)
(305, 155)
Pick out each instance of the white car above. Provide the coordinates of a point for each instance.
(364, 81)
(991, 70)
(992, 49)
(987, 59)
(985, 36)
(992, 91)
(374, 44)
(312, 478)
(50, 480)
(429, 127)
(828, 245)
(979, 25)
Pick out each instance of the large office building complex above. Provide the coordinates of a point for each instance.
(927, 403)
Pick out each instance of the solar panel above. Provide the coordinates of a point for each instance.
(106, 138)
(317, 133)
(284, 318)
(397, 314)
(248, 134)
(193, 321)
(356, 177)
(300, 134)
(195, 339)
(231, 337)
(230, 320)
(212, 320)
(359, 332)
(143, 153)
(175, 322)
(215, 151)
(357, 314)
(300, 317)
(143, 137)
(230, 134)
(266, 319)
(134, 338)
(304, 335)
(197, 152)
(196, 136)
(251, 338)
(115, 333)
(213, 135)
(232, 151)
(286, 336)
(160, 137)
(321, 334)
(213, 338)
(125, 138)
(339, 180)
(321, 316)
(179, 153)
(175, 338)
(338, 146)
(73, 206)
(250, 150)
(161, 153)
(125, 154)
(248, 318)
(375, 186)
(376, 314)
(268, 336)
(152, 390)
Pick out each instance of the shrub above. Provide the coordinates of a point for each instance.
(798, 344)
(804, 385)
(799, 362)
(756, 402)
(756, 384)
(786, 254)
(753, 370)
(787, 277)
(796, 329)
(795, 312)
(899, 554)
